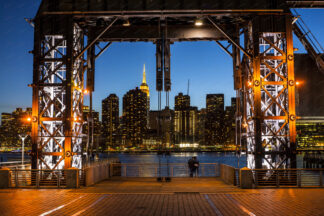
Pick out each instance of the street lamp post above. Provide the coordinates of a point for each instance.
(23, 148)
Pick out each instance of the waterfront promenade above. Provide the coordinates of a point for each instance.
(146, 196)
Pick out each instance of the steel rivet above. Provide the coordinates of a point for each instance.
(256, 82)
(290, 57)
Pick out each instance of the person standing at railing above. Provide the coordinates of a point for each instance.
(195, 166)
(191, 166)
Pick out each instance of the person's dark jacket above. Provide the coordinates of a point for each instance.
(191, 164)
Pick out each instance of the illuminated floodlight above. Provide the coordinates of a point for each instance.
(28, 119)
(126, 23)
(86, 91)
(199, 22)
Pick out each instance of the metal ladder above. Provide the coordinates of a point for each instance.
(308, 39)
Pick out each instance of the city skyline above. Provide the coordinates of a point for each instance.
(201, 62)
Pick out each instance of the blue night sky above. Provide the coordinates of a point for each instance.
(119, 69)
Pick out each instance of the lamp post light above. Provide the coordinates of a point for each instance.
(23, 148)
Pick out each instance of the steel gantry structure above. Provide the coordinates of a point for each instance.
(71, 34)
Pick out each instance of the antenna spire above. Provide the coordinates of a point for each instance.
(188, 86)
(144, 75)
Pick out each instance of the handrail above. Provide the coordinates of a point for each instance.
(136, 164)
(309, 41)
(15, 162)
(308, 169)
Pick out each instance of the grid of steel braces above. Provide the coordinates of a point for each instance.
(268, 80)
(53, 88)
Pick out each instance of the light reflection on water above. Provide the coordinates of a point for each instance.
(182, 157)
(204, 157)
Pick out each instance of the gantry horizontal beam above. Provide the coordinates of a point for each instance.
(305, 4)
(151, 33)
(165, 6)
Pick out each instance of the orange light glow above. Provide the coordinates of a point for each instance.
(298, 83)
(29, 119)
(245, 125)
(250, 83)
(75, 118)
(85, 91)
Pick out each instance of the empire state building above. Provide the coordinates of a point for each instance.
(145, 88)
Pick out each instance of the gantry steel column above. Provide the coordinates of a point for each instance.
(269, 93)
(57, 93)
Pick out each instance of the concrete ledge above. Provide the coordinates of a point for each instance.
(246, 178)
(5, 178)
(227, 174)
(95, 174)
(72, 178)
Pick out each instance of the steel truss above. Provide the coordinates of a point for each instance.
(264, 79)
(58, 99)
(269, 98)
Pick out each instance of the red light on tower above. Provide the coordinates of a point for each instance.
(299, 83)
(249, 84)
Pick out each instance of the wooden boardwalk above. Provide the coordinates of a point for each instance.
(147, 197)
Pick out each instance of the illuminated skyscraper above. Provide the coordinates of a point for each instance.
(145, 88)
(161, 124)
(214, 103)
(201, 122)
(134, 117)
(15, 124)
(215, 130)
(185, 120)
(96, 126)
(110, 119)
(181, 102)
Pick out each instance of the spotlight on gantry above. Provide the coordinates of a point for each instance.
(199, 22)
(126, 23)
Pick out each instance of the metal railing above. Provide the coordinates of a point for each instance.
(163, 170)
(237, 181)
(27, 178)
(288, 177)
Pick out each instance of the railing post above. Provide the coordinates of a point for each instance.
(58, 180)
(16, 178)
(202, 171)
(125, 170)
(37, 178)
(171, 172)
(155, 171)
(256, 178)
(299, 178)
(277, 178)
(321, 178)
(110, 170)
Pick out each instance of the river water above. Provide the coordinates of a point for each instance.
(204, 157)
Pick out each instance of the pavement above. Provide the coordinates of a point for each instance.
(146, 196)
